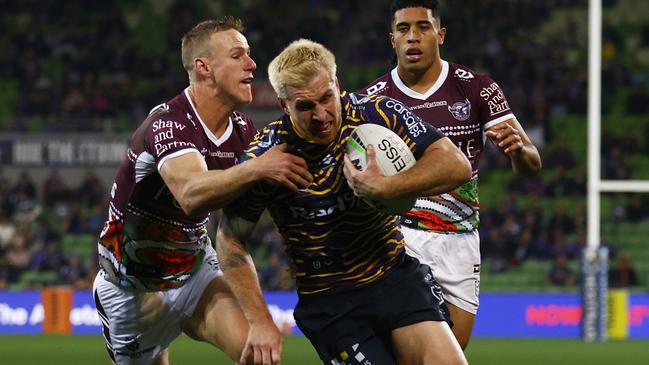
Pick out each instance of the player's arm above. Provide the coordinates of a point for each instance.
(199, 190)
(441, 168)
(264, 342)
(512, 140)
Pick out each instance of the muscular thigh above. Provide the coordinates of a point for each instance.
(427, 342)
(218, 319)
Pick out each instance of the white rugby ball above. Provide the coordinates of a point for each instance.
(392, 156)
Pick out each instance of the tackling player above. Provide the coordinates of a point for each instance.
(442, 230)
(361, 298)
(159, 273)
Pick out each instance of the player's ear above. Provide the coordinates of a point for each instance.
(441, 34)
(392, 40)
(283, 105)
(201, 67)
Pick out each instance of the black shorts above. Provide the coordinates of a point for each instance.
(355, 326)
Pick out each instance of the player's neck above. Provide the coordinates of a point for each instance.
(421, 81)
(212, 110)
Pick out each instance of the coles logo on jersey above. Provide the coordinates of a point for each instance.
(463, 74)
(460, 110)
(376, 87)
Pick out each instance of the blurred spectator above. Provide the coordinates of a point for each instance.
(54, 189)
(622, 274)
(560, 275)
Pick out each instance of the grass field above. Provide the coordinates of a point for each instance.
(67, 350)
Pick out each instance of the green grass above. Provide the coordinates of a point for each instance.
(65, 350)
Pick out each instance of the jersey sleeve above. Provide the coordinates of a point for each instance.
(170, 136)
(493, 107)
(396, 116)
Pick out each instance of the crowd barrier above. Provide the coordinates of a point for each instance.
(501, 315)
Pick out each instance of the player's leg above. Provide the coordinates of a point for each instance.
(455, 262)
(218, 320)
(427, 342)
(462, 324)
(163, 358)
(137, 326)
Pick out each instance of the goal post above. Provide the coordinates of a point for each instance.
(594, 264)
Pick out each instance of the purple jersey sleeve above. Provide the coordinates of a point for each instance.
(396, 116)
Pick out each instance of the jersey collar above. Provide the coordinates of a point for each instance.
(415, 95)
(212, 137)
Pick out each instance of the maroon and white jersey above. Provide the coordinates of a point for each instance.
(148, 242)
(463, 105)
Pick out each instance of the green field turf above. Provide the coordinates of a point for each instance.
(67, 350)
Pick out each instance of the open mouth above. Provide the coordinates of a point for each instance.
(247, 80)
(320, 127)
(414, 54)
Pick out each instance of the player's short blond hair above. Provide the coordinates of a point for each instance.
(196, 42)
(298, 64)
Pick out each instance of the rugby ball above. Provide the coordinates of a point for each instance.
(392, 155)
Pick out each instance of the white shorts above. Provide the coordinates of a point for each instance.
(455, 261)
(139, 325)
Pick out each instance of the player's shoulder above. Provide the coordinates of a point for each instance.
(380, 86)
(465, 74)
(270, 135)
(175, 113)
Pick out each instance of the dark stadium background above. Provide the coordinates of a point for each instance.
(76, 77)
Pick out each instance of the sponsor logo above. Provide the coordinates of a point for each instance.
(414, 124)
(376, 87)
(356, 101)
(267, 140)
(463, 74)
(495, 99)
(429, 105)
(164, 107)
(341, 203)
(461, 110)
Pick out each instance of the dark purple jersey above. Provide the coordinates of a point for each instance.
(336, 240)
(148, 242)
(463, 105)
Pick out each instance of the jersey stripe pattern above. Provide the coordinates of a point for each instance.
(335, 239)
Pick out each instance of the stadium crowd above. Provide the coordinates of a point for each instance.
(69, 67)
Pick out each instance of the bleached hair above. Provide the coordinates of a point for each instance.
(298, 64)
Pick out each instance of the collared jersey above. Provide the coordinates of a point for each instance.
(148, 242)
(336, 240)
(463, 105)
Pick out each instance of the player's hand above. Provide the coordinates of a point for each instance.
(506, 138)
(367, 183)
(263, 345)
(279, 166)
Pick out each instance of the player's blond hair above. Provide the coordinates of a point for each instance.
(196, 42)
(298, 64)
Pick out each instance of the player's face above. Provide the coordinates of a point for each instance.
(416, 36)
(232, 66)
(315, 109)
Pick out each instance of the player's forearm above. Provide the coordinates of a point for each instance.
(526, 162)
(442, 168)
(212, 190)
(238, 267)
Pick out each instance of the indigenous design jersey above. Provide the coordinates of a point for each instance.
(148, 242)
(336, 240)
(463, 105)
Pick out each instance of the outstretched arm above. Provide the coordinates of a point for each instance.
(264, 342)
(442, 168)
(512, 140)
(199, 191)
